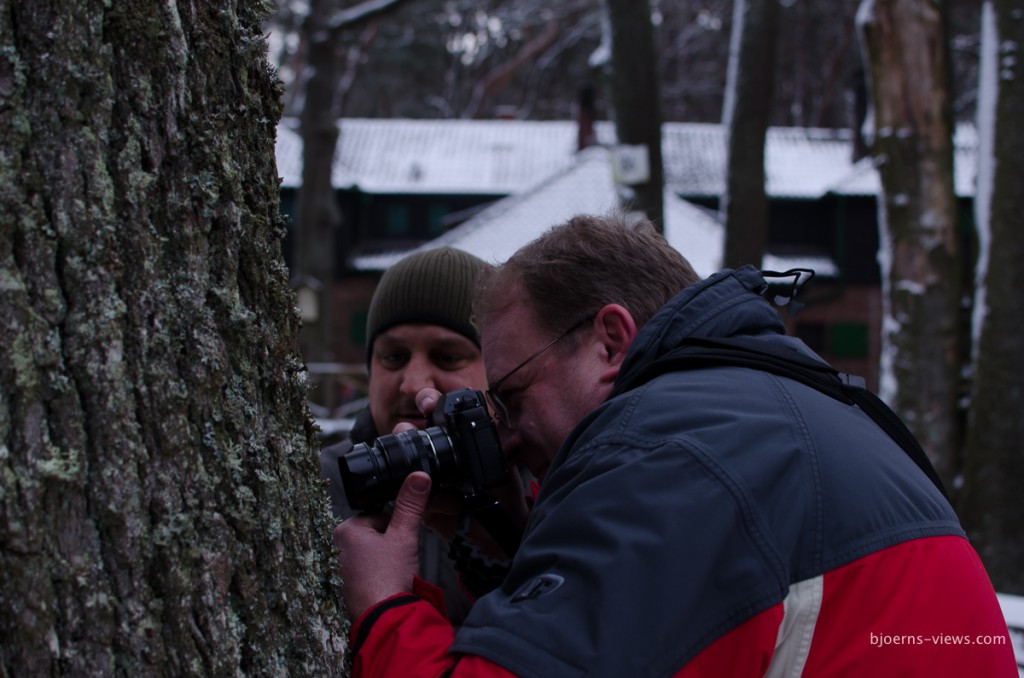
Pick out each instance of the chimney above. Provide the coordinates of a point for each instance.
(585, 114)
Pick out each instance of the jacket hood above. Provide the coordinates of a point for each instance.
(726, 304)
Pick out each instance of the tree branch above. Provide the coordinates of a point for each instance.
(361, 13)
(500, 76)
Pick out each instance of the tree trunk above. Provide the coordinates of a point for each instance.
(160, 508)
(991, 508)
(318, 218)
(923, 335)
(327, 76)
(636, 100)
(748, 105)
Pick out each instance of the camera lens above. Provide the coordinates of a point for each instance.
(373, 473)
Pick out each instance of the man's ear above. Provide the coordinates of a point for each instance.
(615, 330)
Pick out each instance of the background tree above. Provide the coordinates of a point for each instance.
(636, 101)
(991, 507)
(160, 509)
(746, 114)
(479, 59)
(428, 58)
(921, 253)
(326, 76)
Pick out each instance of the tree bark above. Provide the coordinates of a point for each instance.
(923, 333)
(748, 106)
(636, 99)
(160, 508)
(994, 466)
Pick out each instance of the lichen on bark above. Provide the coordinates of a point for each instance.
(160, 510)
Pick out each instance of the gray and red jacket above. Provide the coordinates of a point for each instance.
(718, 522)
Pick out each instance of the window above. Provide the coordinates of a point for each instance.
(848, 340)
(398, 223)
(435, 218)
(357, 327)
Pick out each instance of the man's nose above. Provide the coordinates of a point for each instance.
(419, 374)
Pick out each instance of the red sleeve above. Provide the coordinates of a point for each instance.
(745, 651)
(408, 635)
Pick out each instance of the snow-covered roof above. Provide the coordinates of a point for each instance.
(483, 157)
(799, 163)
(1013, 611)
(585, 187)
(863, 177)
(289, 158)
(502, 157)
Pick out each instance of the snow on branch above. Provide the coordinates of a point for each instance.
(364, 11)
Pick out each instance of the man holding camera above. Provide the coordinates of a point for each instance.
(419, 336)
(690, 522)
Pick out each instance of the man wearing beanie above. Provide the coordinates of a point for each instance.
(418, 335)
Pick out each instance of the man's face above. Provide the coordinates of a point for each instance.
(549, 395)
(409, 358)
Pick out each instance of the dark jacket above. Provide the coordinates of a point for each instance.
(726, 521)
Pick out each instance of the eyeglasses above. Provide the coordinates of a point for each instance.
(499, 407)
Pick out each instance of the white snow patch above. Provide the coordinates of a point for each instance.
(911, 286)
(988, 97)
(1013, 612)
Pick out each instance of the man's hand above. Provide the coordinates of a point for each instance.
(378, 556)
(444, 511)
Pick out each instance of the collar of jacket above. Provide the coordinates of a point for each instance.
(726, 304)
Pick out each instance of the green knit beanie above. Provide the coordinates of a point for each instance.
(433, 287)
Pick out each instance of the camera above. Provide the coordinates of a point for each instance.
(460, 452)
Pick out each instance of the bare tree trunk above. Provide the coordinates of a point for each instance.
(319, 217)
(160, 509)
(748, 105)
(994, 470)
(636, 99)
(908, 72)
(327, 75)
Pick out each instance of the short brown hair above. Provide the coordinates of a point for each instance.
(580, 266)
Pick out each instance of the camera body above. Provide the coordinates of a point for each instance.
(460, 452)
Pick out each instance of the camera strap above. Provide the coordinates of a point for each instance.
(496, 521)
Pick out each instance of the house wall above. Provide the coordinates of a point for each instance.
(842, 319)
(854, 220)
(383, 222)
(845, 329)
(800, 226)
(350, 303)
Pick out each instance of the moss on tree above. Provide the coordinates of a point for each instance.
(160, 511)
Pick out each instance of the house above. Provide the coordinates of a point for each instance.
(403, 182)
(491, 185)
(587, 186)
